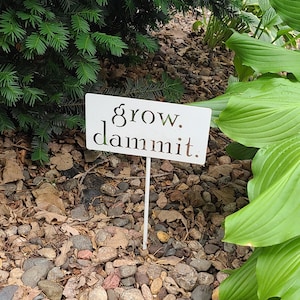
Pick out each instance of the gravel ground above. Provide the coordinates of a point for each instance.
(73, 228)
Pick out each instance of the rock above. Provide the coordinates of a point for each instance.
(112, 295)
(32, 276)
(146, 292)
(171, 297)
(211, 248)
(47, 252)
(81, 242)
(192, 179)
(55, 274)
(128, 281)
(3, 276)
(24, 229)
(98, 293)
(51, 289)
(156, 285)
(109, 189)
(120, 222)
(205, 278)
(200, 264)
(126, 271)
(177, 196)
(201, 292)
(163, 236)
(154, 271)
(7, 292)
(116, 209)
(106, 254)
(141, 278)
(167, 166)
(132, 294)
(185, 276)
(80, 213)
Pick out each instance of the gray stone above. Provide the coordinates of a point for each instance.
(201, 293)
(7, 292)
(132, 294)
(35, 261)
(112, 295)
(51, 289)
(24, 229)
(55, 274)
(120, 222)
(211, 248)
(185, 276)
(32, 276)
(200, 264)
(116, 209)
(81, 242)
(205, 278)
(128, 281)
(126, 271)
(142, 278)
(80, 213)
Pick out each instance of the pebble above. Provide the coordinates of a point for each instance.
(146, 292)
(80, 213)
(201, 292)
(154, 271)
(211, 248)
(126, 271)
(116, 209)
(192, 179)
(172, 297)
(98, 293)
(24, 229)
(156, 285)
(132, 294)
(200, 264)
(128, 281)
(7, 292)
(106, 254)
(205, 278)
(109, 189)
(135, 182)
(185, 276)
(120, 222)
(163, 236)
(51, 289)
(35, 261)
(221, 276)
(81, 242)
(3, 276)
(167, 166)
(32, 276)
(123, 186)
(141, 278)
(55, 274)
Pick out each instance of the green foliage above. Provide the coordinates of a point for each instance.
(264, 114)
(50, 53)
(256, 17)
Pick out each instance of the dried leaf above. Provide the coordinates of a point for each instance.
(63, 161)
(50, 217)
(171, 216)
(64, 249)
(169, 260)
(12, 171)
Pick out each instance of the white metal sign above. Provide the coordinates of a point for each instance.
(147, 128)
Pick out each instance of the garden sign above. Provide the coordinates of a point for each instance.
(147, 128)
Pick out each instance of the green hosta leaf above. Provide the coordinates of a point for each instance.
(263, 57)
(278, 271)
(289, 11)
(85, 44)
(36, 42)
(241, 284)
(217, 105)
(272, 217)
(271, 162)
(267, 111)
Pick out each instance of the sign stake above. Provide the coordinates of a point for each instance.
(146, 202)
